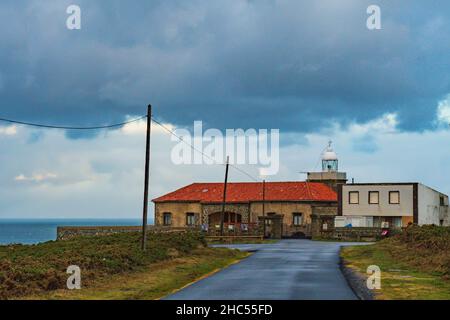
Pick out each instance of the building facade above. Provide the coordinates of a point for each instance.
(200, 204)
(303, 208)
(390, 205)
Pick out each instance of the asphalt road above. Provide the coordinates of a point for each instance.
(289, 269)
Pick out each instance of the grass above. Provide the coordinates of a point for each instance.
(112, 267)
(155, 282)
(414, 264)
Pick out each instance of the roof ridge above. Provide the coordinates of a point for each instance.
(256, 182)
(250, 191)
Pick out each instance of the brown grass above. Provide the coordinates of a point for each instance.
(33, 269)
(414, 264)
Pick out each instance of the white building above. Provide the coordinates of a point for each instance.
(390, 205)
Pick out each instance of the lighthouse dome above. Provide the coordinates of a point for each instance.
(329, 160)
(329, 154)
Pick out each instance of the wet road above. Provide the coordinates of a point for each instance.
(289, 269)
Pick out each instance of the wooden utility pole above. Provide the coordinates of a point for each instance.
(147, 172)
(264, 206)
(224, 197)
(264, 198)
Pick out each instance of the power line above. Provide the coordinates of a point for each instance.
(38, 125)
(200, 151)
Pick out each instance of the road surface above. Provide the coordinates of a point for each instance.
(288, 269)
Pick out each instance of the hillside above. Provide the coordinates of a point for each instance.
(414, 264)
(41, 269)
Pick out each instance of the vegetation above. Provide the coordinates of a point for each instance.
(414, 264)
(112, 263)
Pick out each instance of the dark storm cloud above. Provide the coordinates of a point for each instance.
(294, 65)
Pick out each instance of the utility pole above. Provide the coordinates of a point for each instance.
(224, 197)
(264, 207)
(147, 172)
(264, 198)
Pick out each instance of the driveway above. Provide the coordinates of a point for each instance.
(288, 269)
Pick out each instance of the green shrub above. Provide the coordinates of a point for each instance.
(28, 269)
(425, 247)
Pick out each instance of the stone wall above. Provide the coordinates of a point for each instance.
(239, 208)
(350, 234)
(249, 212)
(357, 234)
(178, 211)
(330, 210)
(65, 233)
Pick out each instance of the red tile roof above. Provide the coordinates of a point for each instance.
(239, 192)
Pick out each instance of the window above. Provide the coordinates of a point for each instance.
(231, 217)
(190, 219)
(394, 197)
(297, 219)
(374, 197)
(377, 222)
(353, 197)
(441, 201)
(397, 222)
(167, 218)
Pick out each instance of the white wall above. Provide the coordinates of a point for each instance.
(383, 208)
(430, 211)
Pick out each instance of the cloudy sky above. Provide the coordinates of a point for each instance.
(309, 68)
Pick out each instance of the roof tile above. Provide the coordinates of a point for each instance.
(239, 192)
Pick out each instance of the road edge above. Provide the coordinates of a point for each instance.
(205, 276)
(355, 280)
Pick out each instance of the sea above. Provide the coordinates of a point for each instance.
(32, 231)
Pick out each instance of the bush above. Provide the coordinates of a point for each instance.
(28, 269)
(425, 247)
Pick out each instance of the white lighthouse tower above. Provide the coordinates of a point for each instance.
(329, 160)
(330, 174)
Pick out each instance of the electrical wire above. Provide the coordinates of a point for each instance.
(201, 152)
(38, 125)
(70, 127)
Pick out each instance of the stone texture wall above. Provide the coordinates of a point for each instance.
(240, 208)
(249, 213)
(287, 209)
(329, 210)
(178, 211)
(284, 208)
(65, 233)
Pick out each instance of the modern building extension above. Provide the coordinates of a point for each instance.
(390, 205)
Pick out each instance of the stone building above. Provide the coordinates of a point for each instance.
(317, 206)
(200, 204)
(302, 206)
